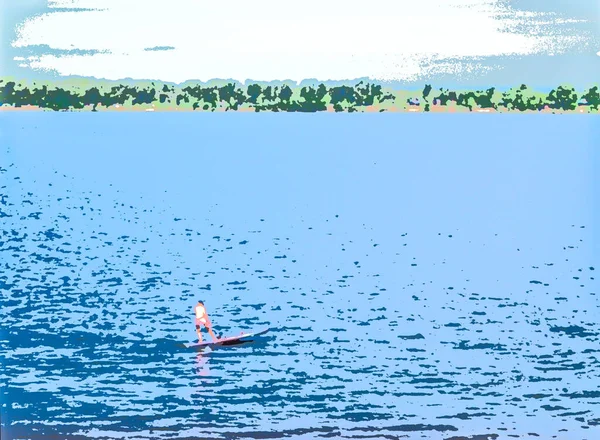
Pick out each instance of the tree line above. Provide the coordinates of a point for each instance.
(283, 97)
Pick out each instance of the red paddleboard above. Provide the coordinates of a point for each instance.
(225, 341)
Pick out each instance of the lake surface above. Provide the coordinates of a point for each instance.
(423, 276)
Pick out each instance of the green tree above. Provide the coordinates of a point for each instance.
(92, 97)
(285, 93)
(313, 99)
(426, 91)
(522, 99)
(484, 100)
(231, 95)
(144, 96)
(38, 96)
(444, 96)
(254, 91)
(340, 95)
(592, 97)
(61, 99)
(366, 94)
(563, 98)
(16, 95)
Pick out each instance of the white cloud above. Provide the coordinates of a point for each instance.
(269, 39)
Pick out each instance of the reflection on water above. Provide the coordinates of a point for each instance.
(413, 290)
(202, 366)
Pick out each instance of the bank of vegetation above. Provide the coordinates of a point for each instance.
(362, 96)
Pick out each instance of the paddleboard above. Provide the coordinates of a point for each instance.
(232, 340)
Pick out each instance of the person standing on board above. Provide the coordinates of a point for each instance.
(203, 319)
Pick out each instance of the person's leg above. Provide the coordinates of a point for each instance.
(212, 335)
(199, 334)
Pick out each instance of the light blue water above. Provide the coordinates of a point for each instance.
(424, 276)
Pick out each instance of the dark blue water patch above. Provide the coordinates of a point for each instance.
(536, 396)
(553, 408)
(544, 379)
(324, 432)
(152, 283)
(464, 345)
(34, 431)
(583, 395)
(111, 282)
(406, 428)
(481, 437)
(51, 235)
(411, 337)
(432, 380)
(360, 416)
(564, 367)
(468, 416)
(573, 331)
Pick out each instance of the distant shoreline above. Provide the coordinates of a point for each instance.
(433, 109)
(363, 97)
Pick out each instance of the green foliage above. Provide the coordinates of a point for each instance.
(143, 96)
(426, 91)
(479, 99)
(312, 99)
(367, 94)
(97, 95)
(253, 92)
(444, 97)
(285, 93)
(204, 97)
(522, 99)
(563, 98)
(592, 98)
(14, 95)
(92, 97)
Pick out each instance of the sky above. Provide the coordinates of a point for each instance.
(484, 42)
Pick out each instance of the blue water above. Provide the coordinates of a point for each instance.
(424, 276)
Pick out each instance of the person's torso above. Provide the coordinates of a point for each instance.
(200, 312)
